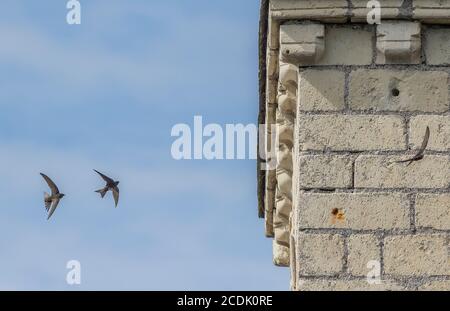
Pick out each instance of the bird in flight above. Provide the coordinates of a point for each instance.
(51, 200)
(420, 154)
(111, 185)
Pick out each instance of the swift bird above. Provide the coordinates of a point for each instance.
(420, 154)
(110, 185)
(51, 201)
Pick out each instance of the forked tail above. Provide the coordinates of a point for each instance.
(102, 192)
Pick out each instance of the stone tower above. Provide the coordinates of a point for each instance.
(344, 98)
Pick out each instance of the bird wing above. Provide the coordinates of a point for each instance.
(105, 178)
(419, 154)
(410, 161)
(51, 184)
(424, 143)
(53, 208)
(47, 203)
(115, 191)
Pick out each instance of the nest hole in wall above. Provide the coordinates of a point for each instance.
(395, 92)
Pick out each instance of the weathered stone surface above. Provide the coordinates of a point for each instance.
(273, 36)
(437, 48)
(433, 211)
(320, 254)
(362, 248)
(325, 172)
(432, 11)
(330, 10)
(351, 132)
(443, 285)
(432, 172)
(438, 4)
(417, 255)
(390, 9)
(281, 255)
(347, 46)
(398, 42)
(302, 44)
(439, 132)
(393, 90)
(321, 90)
(360, 211)
(347, 285)
(306, 4)
(272, 65)
(271, 92)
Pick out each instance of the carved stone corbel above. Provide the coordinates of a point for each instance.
(285, 116)
(398, 42)
(302, 44)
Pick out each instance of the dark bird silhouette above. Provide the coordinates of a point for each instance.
(112, 185)
(420, 154)
(51, 200)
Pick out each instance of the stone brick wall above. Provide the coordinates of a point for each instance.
(364, 96)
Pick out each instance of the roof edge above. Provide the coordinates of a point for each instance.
(263, 28)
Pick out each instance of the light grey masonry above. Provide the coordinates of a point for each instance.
(343, 284)
(321, 90)
(399, 42)
(390, 9)
(321, 254)
(437, 49)
(424, 91)
(356, 100)
(440, 127)
(361, 211)
(433, 172)
(432, 211)
(346, 46)
(417, 255)
(362, 249)
(351, 133)
(443, 285)
(327, 172)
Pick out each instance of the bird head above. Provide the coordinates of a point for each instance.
(62, 195)
(117, 182)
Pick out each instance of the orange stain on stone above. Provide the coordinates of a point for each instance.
(338, 215)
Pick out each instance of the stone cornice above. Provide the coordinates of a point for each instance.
(343, 11)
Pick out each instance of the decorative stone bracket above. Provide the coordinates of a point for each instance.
(299, 45)
(302, 45)
(285, 116)
(398, 42)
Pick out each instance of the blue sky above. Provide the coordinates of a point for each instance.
(105, 95)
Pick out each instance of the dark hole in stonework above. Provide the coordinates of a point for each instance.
(395, 92)
(288, 52)
(335, 211)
